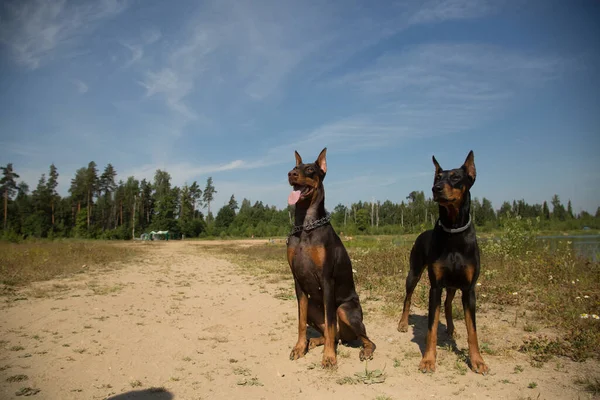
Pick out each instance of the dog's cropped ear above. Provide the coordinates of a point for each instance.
(298, 158)
(438, 169)
(322, 161)
(469, 167)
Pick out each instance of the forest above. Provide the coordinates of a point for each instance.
(99, 206)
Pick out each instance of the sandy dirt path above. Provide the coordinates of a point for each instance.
(181, 324)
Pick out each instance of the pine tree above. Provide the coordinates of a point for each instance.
(570, 210)
(233, 204)
(41, 219)
(558, 210)
(8, 186)
(196, 194)
(106, 188)
(545, 210)
(165, 203)
(77, 189)
(209, 195)
(51, 185)
(91, 186)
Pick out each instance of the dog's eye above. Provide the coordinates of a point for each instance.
(455, 178)
(309, 170)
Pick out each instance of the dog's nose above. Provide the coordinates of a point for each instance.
(438, 187)
(292, 174)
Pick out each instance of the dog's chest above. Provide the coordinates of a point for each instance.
(307, 263)
(453, 269)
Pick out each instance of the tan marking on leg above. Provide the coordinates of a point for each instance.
(469, 272)
(300, 348)
(329, 356)
(314, 342)
(477, 363)
(428, 361)
(438, 270)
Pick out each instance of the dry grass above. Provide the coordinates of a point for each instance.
(26, 262)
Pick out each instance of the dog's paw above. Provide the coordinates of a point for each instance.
(478, 365)
(329, 361)
(450, 331)
(298, 352)
(427, 364)
(403, 326)
(366, 353)
(314, 342)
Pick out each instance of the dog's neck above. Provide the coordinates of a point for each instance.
(305, 214)
(456, 218)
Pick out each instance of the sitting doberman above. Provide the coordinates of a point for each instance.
(451, 255)
(327, 299)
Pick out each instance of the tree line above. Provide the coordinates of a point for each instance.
(99, 206)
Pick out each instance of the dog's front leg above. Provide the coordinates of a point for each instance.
(469, 306)
(329, 356)
(435, 300)
(300, 349)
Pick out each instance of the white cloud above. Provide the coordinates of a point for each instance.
(235, 55)
(137, 52)
(35, 29)
(174, 87)
(136, 47)
(181, 172)
(443, 10)
(436, 89)
(81, 86)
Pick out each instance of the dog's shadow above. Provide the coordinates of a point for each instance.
(419, 324)
(145, 394)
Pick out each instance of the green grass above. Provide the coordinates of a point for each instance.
(30, 261)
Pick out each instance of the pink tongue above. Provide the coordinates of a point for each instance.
(294, 197)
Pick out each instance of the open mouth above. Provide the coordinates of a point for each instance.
(298, 193)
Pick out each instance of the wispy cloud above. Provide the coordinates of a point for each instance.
(136, 47)
(181, 172)
(427, 91)
(34, 30)
(237, 54)
(80, 85)
(443, 10)
(437, 89)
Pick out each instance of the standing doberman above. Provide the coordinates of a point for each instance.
(451, 255)
(322, 270)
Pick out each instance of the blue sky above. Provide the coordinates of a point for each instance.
(230, 89)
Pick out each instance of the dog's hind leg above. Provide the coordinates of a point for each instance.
(316, 319)
(417, 267)
(350, 316)
(448, 310)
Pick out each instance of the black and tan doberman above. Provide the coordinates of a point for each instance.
(327, 299)
(451, 255)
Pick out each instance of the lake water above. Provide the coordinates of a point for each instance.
(587, 246)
